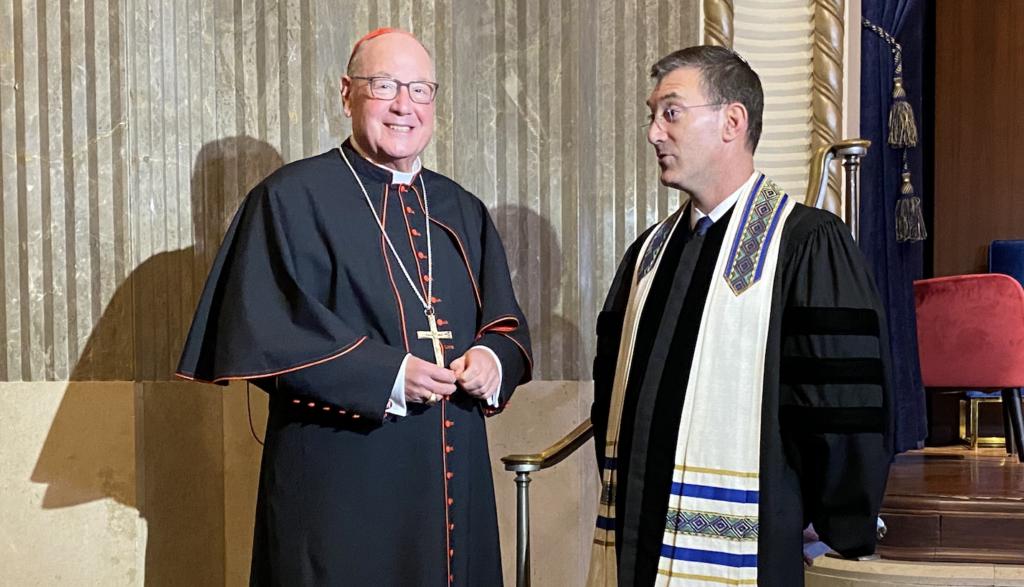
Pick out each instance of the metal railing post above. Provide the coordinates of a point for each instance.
(852, 164)
(522, 466)
(523, 529)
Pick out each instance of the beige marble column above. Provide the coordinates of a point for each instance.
(718, 23)
(827, 88)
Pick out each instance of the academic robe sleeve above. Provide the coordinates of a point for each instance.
(503, 326)
(258, 319)
(609, 336)
(835, 386)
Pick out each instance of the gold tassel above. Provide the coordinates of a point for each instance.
(902, 130)
(902, 134)
(909, 217)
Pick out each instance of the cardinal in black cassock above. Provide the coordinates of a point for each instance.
(320, 295)
(741, 383)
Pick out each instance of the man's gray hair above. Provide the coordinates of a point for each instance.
(726, 78)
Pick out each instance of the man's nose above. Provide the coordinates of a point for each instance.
(654, 134)
(402, 104)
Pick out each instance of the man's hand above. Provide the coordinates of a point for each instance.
(477, 373)
(423, 378)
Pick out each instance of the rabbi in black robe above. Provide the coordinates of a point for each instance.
(371, 299)
(821, 451)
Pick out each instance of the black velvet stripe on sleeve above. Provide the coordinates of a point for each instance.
(802, 320)
(817, 371)
(810, 420)
(610, 323)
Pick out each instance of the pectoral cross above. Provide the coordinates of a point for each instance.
(435, 336)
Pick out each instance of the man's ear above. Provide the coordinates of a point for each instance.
(346, 95)
(734, 122)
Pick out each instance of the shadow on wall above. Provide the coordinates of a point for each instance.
(179, 442)
(535, 262)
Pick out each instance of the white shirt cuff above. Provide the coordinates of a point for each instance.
(396, 405)
(494, 400)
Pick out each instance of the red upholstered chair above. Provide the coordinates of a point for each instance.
(970, 332)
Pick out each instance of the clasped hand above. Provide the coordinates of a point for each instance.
(475, 372)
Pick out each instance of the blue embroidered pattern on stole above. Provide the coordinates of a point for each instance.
(755, 234)
(711, 524)
(608, 489)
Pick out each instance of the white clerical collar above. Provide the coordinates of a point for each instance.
(396, 176)
(726, 204)
(401, 177)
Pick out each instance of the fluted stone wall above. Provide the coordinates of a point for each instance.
(132, 129)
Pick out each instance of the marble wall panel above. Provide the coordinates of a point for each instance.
(63, 179)
(242, 454)
(68, 514)
(138, 468)
(180, 437)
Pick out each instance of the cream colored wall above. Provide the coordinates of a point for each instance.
(140, 484)
(73, 521)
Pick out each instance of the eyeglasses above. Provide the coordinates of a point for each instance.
(671, 115)
(385, 88)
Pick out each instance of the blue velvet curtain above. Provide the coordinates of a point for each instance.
(896, 265)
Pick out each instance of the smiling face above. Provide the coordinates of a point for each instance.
(390, 132)
(688, 146)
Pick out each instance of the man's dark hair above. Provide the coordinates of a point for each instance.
(725, 78)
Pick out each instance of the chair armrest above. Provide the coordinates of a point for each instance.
(552, 455)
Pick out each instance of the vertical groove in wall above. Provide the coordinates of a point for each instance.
(7, 157)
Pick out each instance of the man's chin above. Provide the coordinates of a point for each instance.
(399, 153)
(669, 179)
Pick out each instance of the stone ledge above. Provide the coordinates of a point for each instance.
(833, 572)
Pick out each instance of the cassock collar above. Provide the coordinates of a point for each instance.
(379, 173)
(726, 204)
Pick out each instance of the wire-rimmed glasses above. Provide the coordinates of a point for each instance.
(671, 115)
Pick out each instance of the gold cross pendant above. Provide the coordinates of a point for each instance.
(435, 336)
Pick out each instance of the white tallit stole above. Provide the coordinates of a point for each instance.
(711, 526)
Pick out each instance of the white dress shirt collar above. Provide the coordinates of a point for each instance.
(726, 204)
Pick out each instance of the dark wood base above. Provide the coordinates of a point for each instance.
(954, 504)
